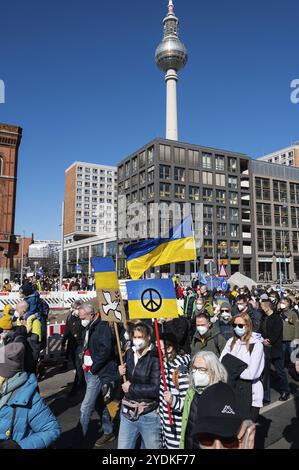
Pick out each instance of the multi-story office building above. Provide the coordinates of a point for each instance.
(166, 171)
(10, 139)
(288, 156)
(90, 201)
(275, 203)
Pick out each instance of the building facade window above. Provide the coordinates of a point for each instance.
(207, 194)
(164, 172)
(151, 174)
(179, 174)
(207, 178)
(234, 230)
(233, 182)
(232, 164)
(262, 188)
(282, 241)
(179, 191)
(294, 193)
(233, 214)
(194, 176)
(220, 162)
(233, 198)
(206, 160)
(220, 180)
(194, 193)
(280, 191)
(295, 217)
(281, 216)
(264, 239)
(221, 230)
(263, 214)
(208, 229)
(142, 159)
(221, 213)
(220, 196)
(142, 178)
(235, 248)
(179, 155)
(193, 157)
(165, 189)
(208, 212)
(165, 155)
(208, 248)
(150, 155)
(134, 164)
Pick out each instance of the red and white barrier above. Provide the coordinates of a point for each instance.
(55, 329)
(56, 300)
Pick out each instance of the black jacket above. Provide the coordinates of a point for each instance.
(255, 315)
(144, 377)
(101, 348)
(272, 329)
(73, 332)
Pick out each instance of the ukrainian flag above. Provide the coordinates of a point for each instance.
(178, 246)
(152, 298)
(104, 273)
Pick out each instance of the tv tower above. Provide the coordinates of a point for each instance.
(171, 56)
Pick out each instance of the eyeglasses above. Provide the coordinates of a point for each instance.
(203, 370)
(240, 325)
(207, 440)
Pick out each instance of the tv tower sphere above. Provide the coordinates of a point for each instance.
(171, 52)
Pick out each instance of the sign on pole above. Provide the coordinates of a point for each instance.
(152, 298)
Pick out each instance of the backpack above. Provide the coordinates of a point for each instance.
(43, 308)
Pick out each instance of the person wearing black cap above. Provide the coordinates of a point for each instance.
(219, 425)
(176, 366)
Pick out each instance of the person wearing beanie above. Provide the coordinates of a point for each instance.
(176, 367)
(6, 322)
(26, 422)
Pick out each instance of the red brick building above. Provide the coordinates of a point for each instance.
(10, 138)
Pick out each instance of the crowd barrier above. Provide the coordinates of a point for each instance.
(56, 300)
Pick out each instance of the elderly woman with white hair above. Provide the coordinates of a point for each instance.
(205, 370)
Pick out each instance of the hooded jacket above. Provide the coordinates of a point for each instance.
(255, 361)
(212, 341)
(35, 426)
(290, 325)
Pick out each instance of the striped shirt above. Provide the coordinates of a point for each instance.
(177, 380)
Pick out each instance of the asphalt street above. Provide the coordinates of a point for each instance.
(278, 426)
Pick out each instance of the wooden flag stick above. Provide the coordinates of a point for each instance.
(163, 371)
(119, 347)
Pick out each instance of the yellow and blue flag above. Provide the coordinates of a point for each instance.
(104, 273)
(152, 298)
(178, 245)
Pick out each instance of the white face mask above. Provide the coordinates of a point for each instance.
(85, 323)
(225, 318)
(283, 306)
(201, 379)
(16, 314)
(202, 330)
(214, 319)
(241, 307)
(139, 344)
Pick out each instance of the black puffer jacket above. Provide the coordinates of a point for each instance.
(144, 377)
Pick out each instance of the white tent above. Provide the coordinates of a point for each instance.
(240, 280)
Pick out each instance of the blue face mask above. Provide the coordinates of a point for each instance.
(240, 331)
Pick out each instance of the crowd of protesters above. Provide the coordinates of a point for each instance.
(43, 283)
(217, 356)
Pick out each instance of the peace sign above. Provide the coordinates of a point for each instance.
(151, 300)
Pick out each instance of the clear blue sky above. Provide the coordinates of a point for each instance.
(81, 80)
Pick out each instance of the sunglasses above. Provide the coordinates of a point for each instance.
(225, 311)
(207, 440)
(240, 325)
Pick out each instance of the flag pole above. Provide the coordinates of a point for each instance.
(163, 371)
(119, 347)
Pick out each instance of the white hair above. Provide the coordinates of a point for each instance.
(216, 371)
(88, 308)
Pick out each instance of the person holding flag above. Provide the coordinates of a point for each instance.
(176, 366)
(139, 412)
